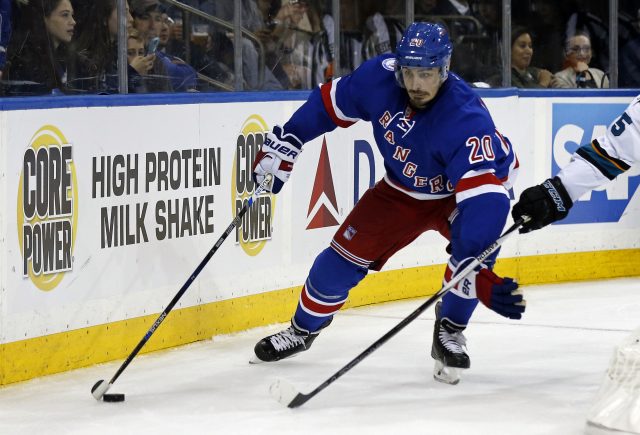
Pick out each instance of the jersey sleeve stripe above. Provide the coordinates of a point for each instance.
(608, 166)
(471, 193)
(328, 92)
(603, 153)
(473, 179)
(474, 185)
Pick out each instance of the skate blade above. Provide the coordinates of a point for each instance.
(255, 360)
(446, 375)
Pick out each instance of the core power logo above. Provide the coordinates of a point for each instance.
(47, 208)
(256, 227)
(323, 207)
(578, 124)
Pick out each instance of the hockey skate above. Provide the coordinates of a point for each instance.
(448, 350)
(284, 344)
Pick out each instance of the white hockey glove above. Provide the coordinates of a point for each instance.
(276, 157)
(498, 294)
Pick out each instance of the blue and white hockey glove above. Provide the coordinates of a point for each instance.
(498, 294)
(276, 157)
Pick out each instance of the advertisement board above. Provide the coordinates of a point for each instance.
(103, 218)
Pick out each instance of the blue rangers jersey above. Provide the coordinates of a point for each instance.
(451, 147)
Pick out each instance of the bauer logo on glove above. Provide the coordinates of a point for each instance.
(276, 157)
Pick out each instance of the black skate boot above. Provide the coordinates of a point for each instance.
(284, 344)
(449, 350)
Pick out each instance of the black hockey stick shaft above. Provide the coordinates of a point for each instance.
(301, 398)
(98, 390)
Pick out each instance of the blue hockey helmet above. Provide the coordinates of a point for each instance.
(424, 45)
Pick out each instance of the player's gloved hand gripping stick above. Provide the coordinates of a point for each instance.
(287, 394)
(278, 154)
(101, 387)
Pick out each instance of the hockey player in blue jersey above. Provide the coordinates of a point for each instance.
(447, 169)
(592, 165)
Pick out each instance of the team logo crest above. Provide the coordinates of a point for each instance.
(389, 64)
(416, 42)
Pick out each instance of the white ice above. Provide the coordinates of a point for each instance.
(534, 376)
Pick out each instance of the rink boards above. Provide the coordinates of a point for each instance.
(108, 204)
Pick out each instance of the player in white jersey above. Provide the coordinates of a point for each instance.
(591, 166)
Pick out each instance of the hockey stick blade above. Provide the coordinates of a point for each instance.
(99, 389)
(286, 394)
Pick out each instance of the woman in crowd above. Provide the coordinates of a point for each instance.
(39, 48)
(577, 73)
(523, 75)
(95, 65)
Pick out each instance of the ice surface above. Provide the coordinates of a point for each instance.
(534, 376)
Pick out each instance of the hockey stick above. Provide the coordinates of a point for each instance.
(101, 387)
(286, 394)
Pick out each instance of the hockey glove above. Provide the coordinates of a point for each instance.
(498, 294)
(545, 203)
(276, 157)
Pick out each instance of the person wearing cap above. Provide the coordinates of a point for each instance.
(147, 20)
(183, 77)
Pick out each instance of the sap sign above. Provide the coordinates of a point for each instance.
(575, 125)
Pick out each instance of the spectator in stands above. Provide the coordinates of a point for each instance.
(271, 35)
(366, 30)
(96, 63)
(216, 66)
(183, 77)
(488, 13)
(523, 75)
(592, 19)
(147, 20)
(426, 8)
(5, 31)
(140, 63)
(38, 52)
(577, 73)
(546, 21)
(466, 25)
(298, 24)
(252, 21)
(629, 72)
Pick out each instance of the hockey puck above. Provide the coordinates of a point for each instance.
(113, 397)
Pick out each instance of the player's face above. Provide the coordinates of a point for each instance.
(422, 84)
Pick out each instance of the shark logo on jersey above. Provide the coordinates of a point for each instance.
(578, 124)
